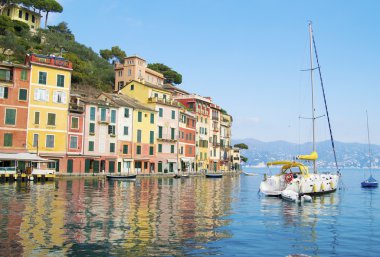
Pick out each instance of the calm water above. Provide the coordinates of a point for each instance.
(194, 216)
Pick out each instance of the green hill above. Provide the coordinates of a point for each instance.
(89, 69)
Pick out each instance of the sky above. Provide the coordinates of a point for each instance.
(248, 56)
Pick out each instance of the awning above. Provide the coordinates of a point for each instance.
(184, 159)
(141, 159)
(172, 160)
(127, 160)
(22, 157)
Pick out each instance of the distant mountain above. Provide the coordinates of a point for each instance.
(348, 154)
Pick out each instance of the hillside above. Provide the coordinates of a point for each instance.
(348, 154)
(88, 67)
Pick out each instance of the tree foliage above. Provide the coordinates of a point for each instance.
(243, 158)
(171, 76)
(113, 54)
(241, 146)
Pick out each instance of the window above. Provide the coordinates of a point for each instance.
(26, 16)
(139, 136)
(35, 140)
(160, 148)
(10, 116)
(129, 72)
(60, 80)
(92, 113)
(112, 147)
(59, 97)
(152, 118)
(42, 77)
(92, 128)
(172, 133)
(138, 149)
(91, 146)
(190, 150)
(132, 87)
(151, 137)
(20, 14)
(172, 149)
(41, 95)
(125, 131)
(51, 119)
(23, 94)
(139, 116)
(33, 19)
(4, 92)
(24, 74)
(125, 149)
(111, 130)
(49, 141)
(74, 122)
(8, 138)
(36, 118)
(159, 132)
(126, 113)
(74, 142)
(151, 150)
(103, 113)
(160, 112)
(173, 115)
(120, 73)
(5, 75)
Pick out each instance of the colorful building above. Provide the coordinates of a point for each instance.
(135, 68)
(19, 13)
(50, 83)
(186, 141)
(225, 142)
(14, 96)
(136, 134)
(201, 107)
(214, 140)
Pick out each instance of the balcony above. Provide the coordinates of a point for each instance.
(166, 101)
(215, 129)
(104, 120)
(215, 118)
(216, 144)
(74, 107)
(167, 138)
(50, 60)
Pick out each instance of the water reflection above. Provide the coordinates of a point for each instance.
(148, 216)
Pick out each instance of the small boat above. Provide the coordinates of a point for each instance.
(371, 181)
(126, 176)
(185, 175)
(214, 175)
(177, 176)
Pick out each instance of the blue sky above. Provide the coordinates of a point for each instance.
(247, 55)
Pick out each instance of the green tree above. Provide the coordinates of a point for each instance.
(115, 54)
(171, 76)
(243, 158)
(241, 146)
(48, 6)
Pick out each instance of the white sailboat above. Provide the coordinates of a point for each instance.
(294, 179)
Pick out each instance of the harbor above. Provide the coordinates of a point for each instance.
(177, 217)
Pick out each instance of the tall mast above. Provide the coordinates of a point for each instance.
(369, 147)
(312, 92)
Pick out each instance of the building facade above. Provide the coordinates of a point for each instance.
(225, 141)
(214, 138)
(14, 98)
(186, 141)
(50, 83)
(19, 13)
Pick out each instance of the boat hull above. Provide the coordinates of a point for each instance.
(214, 175)
(369, 184)
(121, 177)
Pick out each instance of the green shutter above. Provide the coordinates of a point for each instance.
(152, 118)
(10, 116)
(151, 138)
(119, 167)
(92, 113)
(24, 75)
(138, 149)
(92, 128)
(159, 166)
(51, 119)
(111, 168)
(22, 94)
(160, 112)
(112, 147)
(70, 166)
(6, 92)
(139, 116)
(126, 112)
(173, 115)
(87, 166)
(172, 133)
(159, 132)
(125, 149)
(8, 138)
(151, 150)
(160, 148)
(60, 80)
(96, 166)
(172, 148)
(91, 146)
(113, 116)
(138, 136)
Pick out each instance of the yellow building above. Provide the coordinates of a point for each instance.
(19, 13)
(50, 83)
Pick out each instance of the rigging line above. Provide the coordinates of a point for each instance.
(369, 147)
(324, 98)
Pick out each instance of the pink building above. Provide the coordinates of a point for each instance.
(186, 139)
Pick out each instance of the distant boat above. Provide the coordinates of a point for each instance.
(214, 175)
(370, 182)
(120, 176)
(250, 174)
(177, 176)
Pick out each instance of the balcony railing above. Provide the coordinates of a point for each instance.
(216, 144)
(215, 118)
(104, 120)
(51, 60)
(76, 108)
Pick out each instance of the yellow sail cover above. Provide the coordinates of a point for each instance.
(311, 157)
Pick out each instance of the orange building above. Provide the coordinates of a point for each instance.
(14, 97)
